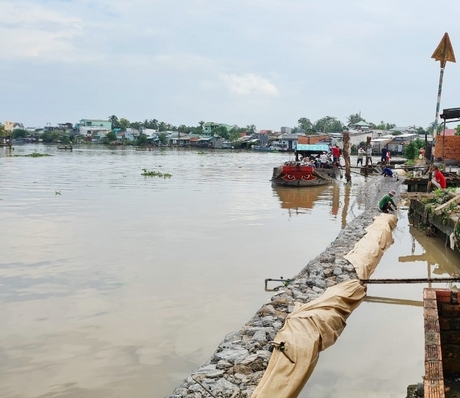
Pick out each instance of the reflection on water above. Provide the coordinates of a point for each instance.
(121, 284)
(439, 259)
(381, 351)
(302, 200)
(299, 200)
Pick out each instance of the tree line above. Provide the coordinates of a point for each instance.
(326, 124)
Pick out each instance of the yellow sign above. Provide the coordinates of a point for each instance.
(444, 52)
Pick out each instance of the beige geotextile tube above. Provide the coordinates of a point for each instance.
(317, 325)
(307, 331)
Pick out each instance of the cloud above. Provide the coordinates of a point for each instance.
(248, 84)
(29, 30)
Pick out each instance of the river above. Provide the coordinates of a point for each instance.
(114, 284)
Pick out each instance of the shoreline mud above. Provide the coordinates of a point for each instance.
(239, 362)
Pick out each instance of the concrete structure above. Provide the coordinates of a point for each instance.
(105, 124)
(447, 148)
(10, 126)
(209, 127)
(93, 134)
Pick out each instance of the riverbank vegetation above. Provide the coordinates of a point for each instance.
(147, 173)
(33, 155)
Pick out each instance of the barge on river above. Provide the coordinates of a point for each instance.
(307, 170)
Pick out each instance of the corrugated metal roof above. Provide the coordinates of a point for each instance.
(313, 148)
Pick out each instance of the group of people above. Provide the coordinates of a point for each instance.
(438, 180)
(325, 159)
(384, 158)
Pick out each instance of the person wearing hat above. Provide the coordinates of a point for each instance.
(386, 203)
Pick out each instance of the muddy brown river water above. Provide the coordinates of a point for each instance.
(113, 284)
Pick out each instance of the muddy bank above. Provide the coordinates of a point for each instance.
(238, 364)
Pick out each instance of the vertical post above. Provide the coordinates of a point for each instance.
(346, 155)
(438, 103)
(368, 150)
(443, 145)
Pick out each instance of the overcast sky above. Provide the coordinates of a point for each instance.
(266, 63)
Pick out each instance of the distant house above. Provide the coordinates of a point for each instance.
(209, 127)
(395, 143)
(312, 138)
(10, 126)
(289, 141)
(65, 126)
(105, 124)
(177, 138)
(361, 126)
(132, 134)
(93, 134)
(93, 130)
(447, 132)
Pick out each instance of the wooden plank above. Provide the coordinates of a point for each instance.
(440, 208)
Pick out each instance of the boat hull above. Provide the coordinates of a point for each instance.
(295, 174)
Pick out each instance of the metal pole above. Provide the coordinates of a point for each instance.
(435, 125)
(443, 145)
(408, 280)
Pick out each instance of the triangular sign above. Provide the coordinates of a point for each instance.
(444, 52)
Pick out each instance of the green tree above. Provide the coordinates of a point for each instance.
(251, 129)
(151, 124)
(235, 133)
(413, 149)
(354, 118)
(55, 136)
(110, 137)
(221, 131)
(162, 126)
(183, 129)
(3, 132)
(20, 133)
(115, 123)
(328, 124)
(163, 139)
(457, 130)
(142, 140)
(421, 131)
(430, 128)
(305, 124)
(136, 125)
(123, 124)
(201, 123)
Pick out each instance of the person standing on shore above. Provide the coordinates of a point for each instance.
(386, 203)
(388, 157)
(383, 158)
(361, 153)
(335, 155)
(369, 155)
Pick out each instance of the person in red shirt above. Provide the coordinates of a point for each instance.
(438, 180)
(335, 154)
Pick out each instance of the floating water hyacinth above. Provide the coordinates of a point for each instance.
(33, 155)
(148, 173)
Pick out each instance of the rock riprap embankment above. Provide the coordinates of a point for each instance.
(238, 364)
